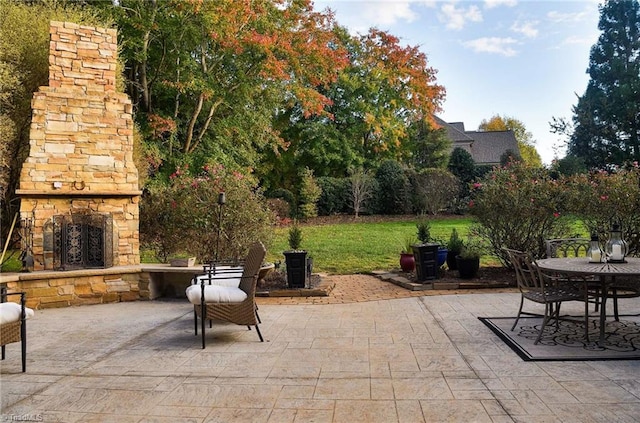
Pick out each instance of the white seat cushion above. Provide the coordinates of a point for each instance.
(215, 294)
(226, 279)
(10, 312)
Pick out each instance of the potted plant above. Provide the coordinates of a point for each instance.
(454, 247)
(296, 259)
(468, 260)
(407, 261)
(424, 235)
(425, 253)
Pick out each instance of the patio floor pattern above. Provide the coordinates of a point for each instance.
(408, 359)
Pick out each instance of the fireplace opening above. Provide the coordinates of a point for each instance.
(82, 241)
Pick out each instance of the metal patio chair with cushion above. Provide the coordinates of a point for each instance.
(13, 323)
(543, 289)
(229, 297)
(622, 287)
(223, 273)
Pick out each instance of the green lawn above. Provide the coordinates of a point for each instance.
(345, 248)
(353, 247)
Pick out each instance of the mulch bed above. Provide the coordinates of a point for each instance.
(491, 276)
(277, 280)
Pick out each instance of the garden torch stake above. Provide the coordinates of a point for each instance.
(221, 200)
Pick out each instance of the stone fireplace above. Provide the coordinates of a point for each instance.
(79, 186)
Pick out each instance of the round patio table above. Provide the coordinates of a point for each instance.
(606, 272)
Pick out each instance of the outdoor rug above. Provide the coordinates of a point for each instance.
(568, 343)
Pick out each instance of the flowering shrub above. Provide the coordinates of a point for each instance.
(603, 198)
(518, 207)
(184, 216)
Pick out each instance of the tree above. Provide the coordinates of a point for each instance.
(393, 189)
(433, 190)
(308, 194)
(208, 78)
(509, 156)
(387, 86)
(430, 146)
(384, 88)
(462, 166)
(568, 166)
(526, 144)
(607, 117)
(362, 189)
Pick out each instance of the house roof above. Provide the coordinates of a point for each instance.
(455, 131)
(485, 147)
(488, 146)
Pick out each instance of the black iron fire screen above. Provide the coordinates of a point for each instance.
(82, 241)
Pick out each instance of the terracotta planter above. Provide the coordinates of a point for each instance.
(407, 262)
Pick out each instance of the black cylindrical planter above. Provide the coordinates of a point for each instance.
(296, 263)
(452, 263)
(426, 256)
(468, 268)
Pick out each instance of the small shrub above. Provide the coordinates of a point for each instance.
(455, 243)
(286, 195)
(295, 237)
(280, 208)
(424, 231)
(409, 242)
(308, 196)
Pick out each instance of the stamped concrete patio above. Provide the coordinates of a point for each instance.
(397, 356)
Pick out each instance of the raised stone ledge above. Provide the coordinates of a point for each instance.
(38, 193)
(53, 274)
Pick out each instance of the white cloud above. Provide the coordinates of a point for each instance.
(560, 17)
(493, 45)
(387, 13)
(456, 18)
(361, 15)
(490, 4)
(576, 40)
(429, 3)
(528, 29)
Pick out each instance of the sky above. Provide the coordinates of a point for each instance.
(522, 59)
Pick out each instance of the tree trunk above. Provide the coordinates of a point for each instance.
(192, 123)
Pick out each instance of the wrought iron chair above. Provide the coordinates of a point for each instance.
(229, 297)
(13, 323)
(567, 247)
(543, 289)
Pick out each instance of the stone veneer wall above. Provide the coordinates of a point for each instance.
(81, 144)
(51, 289)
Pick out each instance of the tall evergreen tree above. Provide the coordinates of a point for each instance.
(607, 116)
